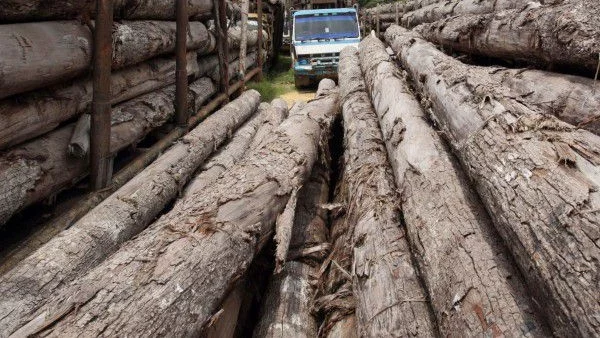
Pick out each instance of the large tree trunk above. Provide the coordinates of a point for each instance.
(464, 264)
(43, 163)
(129, 210)
(447, 9)
(405, 7)
(286, 311)
(572, 99)
(238, 146)
(34, 55)
(390, 300)
(184, 264)
(537, 176)
(39, 10)
(233, 69)
(26, 116)
(529, 35)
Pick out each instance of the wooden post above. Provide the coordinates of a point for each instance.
(220, 17)
(397, 14)
(377, 20)
(100, 159)
(259, 10)
(181, 86)
(244, 37)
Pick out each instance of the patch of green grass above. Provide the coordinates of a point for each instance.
(277, 81)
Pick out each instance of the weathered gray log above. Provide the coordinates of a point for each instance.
(537, 176)
(26, 116)
(238, 145)
(286, 311)
(469, 274)
(35, 55)
(234, 66)
(184, 264)
(572, 99)
(38, 10)
(39, 168)
(407, 6)
(528, 35)
(390, 300)
(447, 9)
(244, 35)
(79, 144)
(271, 124)
(129, 210)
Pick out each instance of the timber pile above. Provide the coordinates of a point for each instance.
(537, 176)
(185, 262)
(46, 86)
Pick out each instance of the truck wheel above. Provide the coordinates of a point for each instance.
(301, 81)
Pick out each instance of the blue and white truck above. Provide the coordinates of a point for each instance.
(318, 36)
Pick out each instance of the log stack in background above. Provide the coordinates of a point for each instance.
(46, 85)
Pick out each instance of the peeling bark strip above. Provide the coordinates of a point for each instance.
(286, 311)
(546, 210)
(390, 301)
(561, 35)
(84, 245)
(32, 114)
(38, 10)
(447, 9)
(238, 146)
(35, 55)
(469, 275)
(184, 264)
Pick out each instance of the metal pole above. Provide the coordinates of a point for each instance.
(100, 158)
(259, 11)
(181, 86)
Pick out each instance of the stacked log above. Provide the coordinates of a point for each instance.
(46, 85)
(185, 262)
(464, 264)
(390, 300)
(527, 35)
(536, 175)
(118, 218)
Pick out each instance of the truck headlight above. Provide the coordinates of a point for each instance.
(303, 62)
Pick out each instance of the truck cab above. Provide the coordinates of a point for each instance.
(318, 36)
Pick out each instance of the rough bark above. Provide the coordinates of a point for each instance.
(237, 146)
(185, 263)
(468, 272)
(447, 9)
(407, 6)
(234, 66)
(566, 35)
(35, 55)
(572, 99)
(390, 300)
(38, 10)
(286, 311)
(125, 213)
(26, 116)
(537, 176)
(42, 167)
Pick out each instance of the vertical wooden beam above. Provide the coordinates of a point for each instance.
(220, 17)
(377, 19)
(100, 158)
(259, 11)
(397, 14)
(181, 84)
(244, 37)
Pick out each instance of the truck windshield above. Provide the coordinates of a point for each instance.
(326, 26)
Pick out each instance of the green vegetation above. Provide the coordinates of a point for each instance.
(277, 81)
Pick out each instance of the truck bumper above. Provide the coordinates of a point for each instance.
(314, 73)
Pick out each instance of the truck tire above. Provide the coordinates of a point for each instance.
(301, 81)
